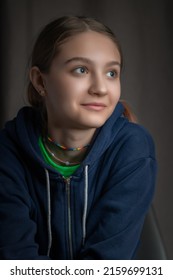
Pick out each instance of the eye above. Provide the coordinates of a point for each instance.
(81, 70)
(112, 74)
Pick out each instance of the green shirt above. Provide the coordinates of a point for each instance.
(66, 171)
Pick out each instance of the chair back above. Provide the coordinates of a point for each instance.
(151, 246)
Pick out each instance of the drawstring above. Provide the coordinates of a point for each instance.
(85, 205)
(49, 212)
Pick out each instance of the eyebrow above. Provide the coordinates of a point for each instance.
(87, 60)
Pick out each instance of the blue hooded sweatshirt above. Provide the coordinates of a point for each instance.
(97, 213)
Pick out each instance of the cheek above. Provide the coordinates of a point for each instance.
(67, 87)
(74, 85)
(115, 92)
(119, 91)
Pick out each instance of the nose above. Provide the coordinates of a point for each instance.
(97, 85)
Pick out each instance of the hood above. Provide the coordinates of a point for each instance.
(106, 134)
(25, 130)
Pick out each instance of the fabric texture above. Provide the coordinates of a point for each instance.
(97, 213)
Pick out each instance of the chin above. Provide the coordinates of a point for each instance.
(96, 124)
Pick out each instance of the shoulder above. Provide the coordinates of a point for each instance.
(136, 142)
(14, 136)
(138, 134)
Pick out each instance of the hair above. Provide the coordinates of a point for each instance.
(48, 45)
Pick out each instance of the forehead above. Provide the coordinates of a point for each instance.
(91, 44)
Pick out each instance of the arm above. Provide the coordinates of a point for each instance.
(17, 228)
(115, 222)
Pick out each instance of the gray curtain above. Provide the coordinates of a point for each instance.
(145, 30)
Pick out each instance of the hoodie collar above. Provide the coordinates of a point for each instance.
(25, 130)
(106, 134)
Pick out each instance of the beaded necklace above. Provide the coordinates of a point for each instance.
(67, 163)
(66, 148)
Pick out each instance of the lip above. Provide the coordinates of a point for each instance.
(94, 106)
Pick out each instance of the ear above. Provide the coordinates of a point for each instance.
(36, 79)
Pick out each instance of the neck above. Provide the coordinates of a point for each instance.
(72, 138)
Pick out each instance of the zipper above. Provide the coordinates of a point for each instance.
(67, 182)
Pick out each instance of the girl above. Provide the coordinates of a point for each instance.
(76, 176)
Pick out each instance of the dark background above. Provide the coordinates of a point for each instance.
(145, 30)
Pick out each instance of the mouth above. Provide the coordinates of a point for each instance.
(94, 106)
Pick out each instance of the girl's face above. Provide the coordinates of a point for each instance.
(83, 84)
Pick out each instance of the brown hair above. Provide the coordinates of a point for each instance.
(51, 37)
(128, 112)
